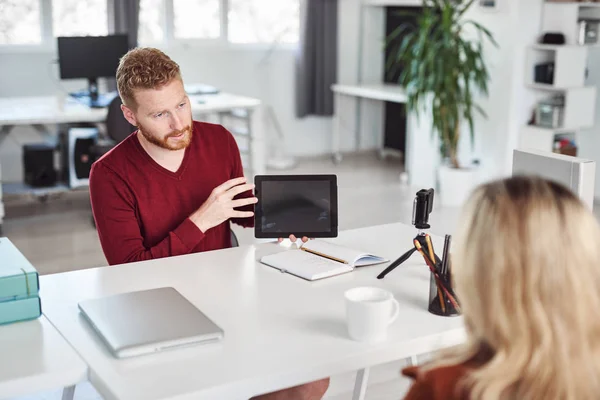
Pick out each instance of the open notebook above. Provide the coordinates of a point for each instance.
(318, 259)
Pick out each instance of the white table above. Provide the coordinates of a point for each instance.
(280, 330)
(60, 110)
(421, 156)
(34, 357)
(51, 110)
(381, 92)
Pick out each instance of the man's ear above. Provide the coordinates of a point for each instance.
(129, 115)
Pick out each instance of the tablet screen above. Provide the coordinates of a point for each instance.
(296, 204)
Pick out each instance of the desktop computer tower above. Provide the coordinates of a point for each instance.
(38, 165)
(77, 145)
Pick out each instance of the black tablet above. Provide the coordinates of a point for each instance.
(301, 205)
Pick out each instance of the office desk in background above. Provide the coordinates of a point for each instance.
(39, 112)
(34, 358)
(280, 330)
(380, 92)
(421, 155)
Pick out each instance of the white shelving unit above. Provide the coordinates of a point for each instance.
(563, 18)
(570, 66)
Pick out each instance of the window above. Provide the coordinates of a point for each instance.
(264, 21)
(235, 21)
(20, 22)
(198, 19)
(79, 17)
(152, 21)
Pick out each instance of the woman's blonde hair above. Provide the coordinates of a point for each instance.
(526, 268)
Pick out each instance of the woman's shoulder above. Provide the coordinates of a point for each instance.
(442, 382)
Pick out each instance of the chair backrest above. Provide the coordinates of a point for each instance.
(117, 127)
(578, 174)
(234, 240)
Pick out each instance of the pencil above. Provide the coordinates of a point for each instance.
(428, 260)
(430, 248)
(446, 255)
(432, 253)
(441, 299)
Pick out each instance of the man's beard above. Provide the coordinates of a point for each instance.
(164, 142)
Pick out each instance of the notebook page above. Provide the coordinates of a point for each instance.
(305, 265)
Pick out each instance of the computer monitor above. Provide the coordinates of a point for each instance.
(91, 57)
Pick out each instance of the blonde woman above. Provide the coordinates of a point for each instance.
(526, 267)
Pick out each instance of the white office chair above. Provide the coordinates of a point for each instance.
(576, 173)
(234, 239)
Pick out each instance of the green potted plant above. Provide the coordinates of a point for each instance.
(442, 68)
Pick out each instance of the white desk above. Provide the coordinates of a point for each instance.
(58, 110)
(54, 110)
(421, 156)
(280, 330)
(382, 92)
(34, 357)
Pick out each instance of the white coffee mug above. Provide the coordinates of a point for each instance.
(369, 312)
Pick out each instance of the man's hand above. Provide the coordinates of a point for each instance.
(219, 206)
(293, 239)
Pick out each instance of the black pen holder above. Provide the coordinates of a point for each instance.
(439, 297)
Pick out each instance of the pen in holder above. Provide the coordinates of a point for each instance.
(439, 300)
(442, 300)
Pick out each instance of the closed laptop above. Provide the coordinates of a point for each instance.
(147, 321)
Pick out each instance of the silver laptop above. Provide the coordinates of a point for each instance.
(144, 322)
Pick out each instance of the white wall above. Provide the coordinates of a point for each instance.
(515, 26)
(371, 112)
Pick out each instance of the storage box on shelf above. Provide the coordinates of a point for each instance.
(565, 144)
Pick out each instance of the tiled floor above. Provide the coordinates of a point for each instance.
(58, 236)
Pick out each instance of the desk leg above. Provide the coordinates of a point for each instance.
(251, 144)
(68, 393)
(360, 385)
(4, 131)
(337, 130)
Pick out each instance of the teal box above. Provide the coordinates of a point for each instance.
(20, 310)
(18, 278)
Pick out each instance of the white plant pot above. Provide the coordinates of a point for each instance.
(455, 185)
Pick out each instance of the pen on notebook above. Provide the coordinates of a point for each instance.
(446, 255)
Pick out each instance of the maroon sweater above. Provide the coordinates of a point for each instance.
(141, 209)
